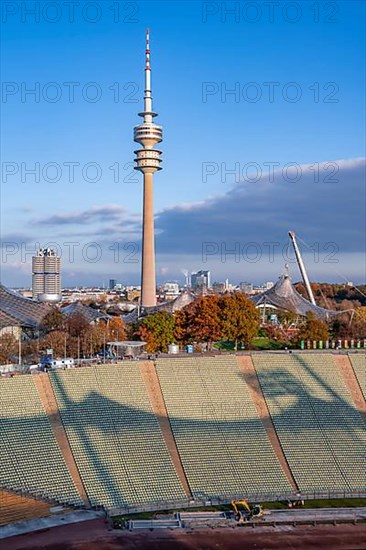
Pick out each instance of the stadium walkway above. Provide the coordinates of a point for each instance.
(150, 377)
(250, 376)
(346, 369)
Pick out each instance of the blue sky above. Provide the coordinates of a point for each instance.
(199, 53)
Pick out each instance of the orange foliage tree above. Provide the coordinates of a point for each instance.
(314, 329)
(8, 347)
(56, 340)
(203, 320)
(117, 329)
(181, 327)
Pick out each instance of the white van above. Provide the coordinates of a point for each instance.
(48, 363)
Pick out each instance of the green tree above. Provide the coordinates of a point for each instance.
(239, 317)
(157, 330)
(286, 318)
(133, 331)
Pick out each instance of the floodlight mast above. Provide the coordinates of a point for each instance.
(302, 267)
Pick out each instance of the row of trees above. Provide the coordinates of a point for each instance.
(335, 296)
(75, 337)
(206, 320)
(67, 336)
(311, 329)
(235, 318)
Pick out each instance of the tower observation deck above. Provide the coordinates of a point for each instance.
(148, 160)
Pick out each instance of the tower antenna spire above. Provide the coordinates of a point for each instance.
(147, 48)
(148, 114)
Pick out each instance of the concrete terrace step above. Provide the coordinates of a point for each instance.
(48, 399)
(154, 524)
(30, 526)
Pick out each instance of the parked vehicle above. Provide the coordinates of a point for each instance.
(49, 363)
(107, 354)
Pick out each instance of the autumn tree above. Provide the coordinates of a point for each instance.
(330, 295)
(53, 320)
(56, 340)
(30, 350)
(94, 339)
(239, 318)
(157, 331)
(117, 329)
(313, 329)
(277, 336)
(358, 327)
(77, 325)
(181, 326)
(74, 346)
(204, 323)
(8, 347)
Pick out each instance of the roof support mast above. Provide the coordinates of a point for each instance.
(302, 267)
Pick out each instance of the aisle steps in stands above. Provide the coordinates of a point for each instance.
(45, 390)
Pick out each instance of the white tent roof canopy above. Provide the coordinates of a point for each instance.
(132, 344)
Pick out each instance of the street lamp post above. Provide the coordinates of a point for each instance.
(104, 348)
(20, 347)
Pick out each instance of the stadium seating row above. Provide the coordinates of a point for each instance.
(320, 430)
(223, 446)
(122, 457)
(30, 460)
(115, 437)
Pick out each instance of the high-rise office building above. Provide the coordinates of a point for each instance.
(201, 280)
(245, 287)
(112, 284)
(46, 278)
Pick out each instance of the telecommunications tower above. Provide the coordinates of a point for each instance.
(148, 160)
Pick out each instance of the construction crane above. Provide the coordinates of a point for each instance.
(302, 267)
(248, 513)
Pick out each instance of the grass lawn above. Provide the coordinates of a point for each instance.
(258, 343)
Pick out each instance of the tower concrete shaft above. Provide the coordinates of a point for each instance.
(148, 160)
(148, 276)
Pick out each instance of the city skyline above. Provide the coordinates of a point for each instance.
(209, 193)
